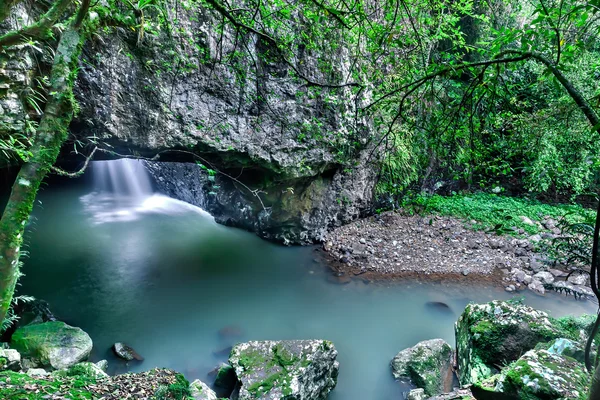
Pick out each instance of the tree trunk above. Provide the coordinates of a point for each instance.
(50, 135)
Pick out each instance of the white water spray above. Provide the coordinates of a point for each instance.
(123, 192)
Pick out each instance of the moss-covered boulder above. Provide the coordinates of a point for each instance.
(426, 365)
(86, 369)
(54, 344)
(285, 370)
(499, 332)
(200, 391)
(539, 374)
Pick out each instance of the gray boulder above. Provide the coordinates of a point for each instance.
(538, 374)
(54, 344)
(427, 365)
(10, 359)
(499, 332)
(289, 369)
(200, 391)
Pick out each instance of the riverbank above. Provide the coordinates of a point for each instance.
(395, 245)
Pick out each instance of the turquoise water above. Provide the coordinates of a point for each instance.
(163, 277)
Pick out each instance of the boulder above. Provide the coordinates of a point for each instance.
(538, 374)
(10, 359)
(126, 352)
(426, 365)
(499, 332)
(53, 343)
(200, 391)
(545, 277)
(289, 369)
(37, 372)
(225, 378)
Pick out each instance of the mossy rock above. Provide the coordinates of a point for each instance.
(539, 374)
(499, 332)
(285, 370)
(427, 365)
(200, 391)
(83, 369)
(54, 344)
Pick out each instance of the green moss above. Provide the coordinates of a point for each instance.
(180, 390)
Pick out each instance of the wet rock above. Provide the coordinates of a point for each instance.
(539, 374)
(103, 365)
(537, 287)
(54, 344)
(126, 352)
(230, 332)
(510, 288)
(200, 391)
(564, 347)
(545, 277)
(426, 365)
(225, 379)
(299, 369)
(223, 353)
(10, 359)
(499, 332)
(439, 306)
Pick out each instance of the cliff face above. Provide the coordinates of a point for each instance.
(282, 158)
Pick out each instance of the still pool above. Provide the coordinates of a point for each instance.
(128, 265)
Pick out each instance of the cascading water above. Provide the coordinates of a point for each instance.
(123, 191)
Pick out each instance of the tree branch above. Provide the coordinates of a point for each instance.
(78, 173)
(40, 28)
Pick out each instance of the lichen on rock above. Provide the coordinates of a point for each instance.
(427, 365)
(285, 370)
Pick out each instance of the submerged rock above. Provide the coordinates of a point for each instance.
(125, 352)
(54, 343)
(539, 374)
(498, 332)
(200, 391)
(289, 369)
(230, 332)
(225, 378)
(427, 365)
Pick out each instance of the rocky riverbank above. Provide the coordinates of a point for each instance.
(395, 245)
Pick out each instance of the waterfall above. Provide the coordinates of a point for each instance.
(124, 177)
(123, 192)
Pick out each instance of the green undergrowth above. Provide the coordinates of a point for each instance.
(491, 212)
(14, 385)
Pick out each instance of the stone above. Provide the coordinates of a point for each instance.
(537, 287)
(564, 347)
(426, 365)
(225, 378)
(510, 288)
(10, 359)
(549, 224)
(496, 244)
(126, 352)
(545, 277)
(535, 238)
(416, 394)
(519, 275)
(526, 220)
(558, 273)
(298, 369)
(37, 372)
(578, 278)
(54, 343)
(201, 391)
(538, 374)
(528, 279)
(103, 365)
(499, 332)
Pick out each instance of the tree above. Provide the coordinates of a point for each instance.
(48, 139)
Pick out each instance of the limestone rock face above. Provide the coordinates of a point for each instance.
(54, 343)
(498, 332)
(539, 374)
(427, 365)
(285, 370)
(201, 391)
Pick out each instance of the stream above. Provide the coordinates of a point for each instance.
(125, 264)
